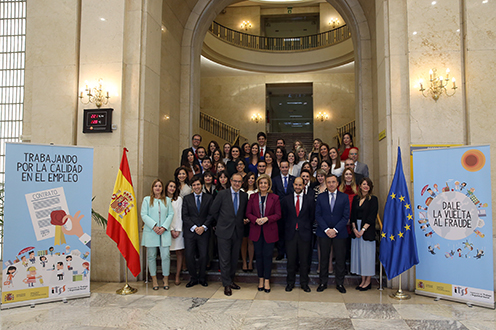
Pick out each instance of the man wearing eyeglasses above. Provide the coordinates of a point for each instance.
(228, 209)
(360, 168)
(195, 143)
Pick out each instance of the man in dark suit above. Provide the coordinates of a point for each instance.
(196, 229)
(349, 163)
(332, 213)
(282, 186)
(360, 168)
(195, 143)
(298, 214)
(228, 209)
(262, 142)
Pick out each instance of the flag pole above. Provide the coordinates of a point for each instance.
(400, 295)
(127, 289)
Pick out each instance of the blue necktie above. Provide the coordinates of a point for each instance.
(198, 203)
(285, 184)
(236, 203)
(333, 200)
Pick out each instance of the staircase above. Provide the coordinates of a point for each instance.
(278, 276)
(290, 138)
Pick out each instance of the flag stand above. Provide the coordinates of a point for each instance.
(127, 289)
(400, 295)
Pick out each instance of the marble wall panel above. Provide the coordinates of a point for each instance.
(480, 23)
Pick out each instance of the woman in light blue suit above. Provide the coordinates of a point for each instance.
(157, 214)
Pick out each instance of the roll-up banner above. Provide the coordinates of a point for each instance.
(47, 223)
(453, 216)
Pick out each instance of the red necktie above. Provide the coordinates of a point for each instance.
(297, 208)
(261, 152)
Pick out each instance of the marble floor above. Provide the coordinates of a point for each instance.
(208, 308)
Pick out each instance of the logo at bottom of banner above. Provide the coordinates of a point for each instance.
(23, 295)
(456, 291)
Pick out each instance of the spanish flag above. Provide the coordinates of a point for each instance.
(122, 225)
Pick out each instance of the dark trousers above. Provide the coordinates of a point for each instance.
(281, 244)
(339, 244)
(198, 244)
(263, 253)
(228, 258)
(298, 252)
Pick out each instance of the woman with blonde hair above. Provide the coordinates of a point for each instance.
(157, 214)
(263, 211)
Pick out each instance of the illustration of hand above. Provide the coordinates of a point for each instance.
(76, 224)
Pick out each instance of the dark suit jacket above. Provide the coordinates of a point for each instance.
(304, 219)
(191, 216)
(272, 212)
(370, 208)
(278, 186)
(335, 219)
(222, 211)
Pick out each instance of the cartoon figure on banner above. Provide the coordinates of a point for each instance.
(68, 260)
(468, 245)
(480, 254)
(431, 248)
(11, 273)
(32, 258)
(24, 261)
(43, 261)
(85, 255)
(60, 270)
(31, 277)
(86, 266)
(450, 254)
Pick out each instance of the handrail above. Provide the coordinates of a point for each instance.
(280, 44)
(346, 128)
(219, 128)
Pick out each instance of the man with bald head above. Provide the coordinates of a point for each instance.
(359, 168)
(298, 211)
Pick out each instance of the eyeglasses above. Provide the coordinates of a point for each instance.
(236, 181)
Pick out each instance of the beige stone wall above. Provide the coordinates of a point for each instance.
(232, 17)
(235, 99)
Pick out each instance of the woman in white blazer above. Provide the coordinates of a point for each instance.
(176, 228)
(157, 214)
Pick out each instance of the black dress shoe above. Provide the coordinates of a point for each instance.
(280, 257)
(191, 283)
(266, 290)
(322, 287)
(341, 288)
(368, 287)
(289, 287)
(227, 290)
(203, 283)
(358, 287)
(234, 286)
(305, 288)
(260, 289)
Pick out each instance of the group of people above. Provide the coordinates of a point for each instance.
(252, 200)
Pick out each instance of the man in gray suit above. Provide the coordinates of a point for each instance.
(360, 168)
(228, 209)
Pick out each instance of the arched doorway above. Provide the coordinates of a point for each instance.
(196, 27)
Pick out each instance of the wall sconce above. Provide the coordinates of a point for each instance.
(437, 85)
(166, 117)
(246, 25)
(95, 95)
(322, 116)
(256, 118)
(334, 22)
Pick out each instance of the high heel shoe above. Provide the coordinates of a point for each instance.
(260, 289)
(368, 287)
(266, 290)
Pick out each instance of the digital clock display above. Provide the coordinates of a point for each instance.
(97, 120)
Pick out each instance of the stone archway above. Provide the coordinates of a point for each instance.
(196, 27)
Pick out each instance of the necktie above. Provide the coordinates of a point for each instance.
(297, 207)
(333, 200)
(198, 203)
(261, 152)
(235, 203)
(285, 184)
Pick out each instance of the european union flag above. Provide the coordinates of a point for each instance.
(398, 245)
